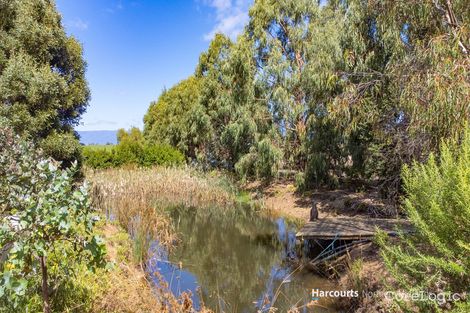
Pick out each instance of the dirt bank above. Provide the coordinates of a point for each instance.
(281, 196)
(362, 267)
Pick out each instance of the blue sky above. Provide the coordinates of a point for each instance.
(135, 48)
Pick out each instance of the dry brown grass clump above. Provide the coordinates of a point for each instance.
(168, 186)
(134, 197)
(368, 276)
(125, 288)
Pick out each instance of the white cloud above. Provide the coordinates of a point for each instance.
(117, 6)
(230, 17)
(78, 24)
(99, 123)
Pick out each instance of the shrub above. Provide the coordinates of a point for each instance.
(161, 155)
(435, 259)
(300, 181)
(131, 153)
(63, 147)
(46, 224)
(98, 157)
(128, 152)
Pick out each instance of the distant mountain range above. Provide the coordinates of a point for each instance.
(98, 137)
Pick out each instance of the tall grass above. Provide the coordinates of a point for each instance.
(135, 199)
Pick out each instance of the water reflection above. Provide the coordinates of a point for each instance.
(241, 261)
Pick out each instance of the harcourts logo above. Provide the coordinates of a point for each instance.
(317, 294)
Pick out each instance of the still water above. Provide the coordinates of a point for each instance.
(236, 261)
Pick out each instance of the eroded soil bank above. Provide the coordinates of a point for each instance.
(362, 267)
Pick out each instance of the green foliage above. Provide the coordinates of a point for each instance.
(134, 134)
(281, 33)
(98, 157)
(242, 132)
(325, 154)
(299, 182)
(403, 83)
(437, 202)
(128, 152)
(75, 293)
(349, 89)
(174, 119)
(215, 117)
(131, 150)
(63, 147)
(263, 159)
(43, 90)
(161, 155)
(46, 223)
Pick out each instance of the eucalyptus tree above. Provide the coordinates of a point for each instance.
(405, 81)
(260, 156)
(326, 143)
(243, 137)
(219, 117)
(175, 118)
(134, 134)
(281, 35)
(43, 91)
(214, 102)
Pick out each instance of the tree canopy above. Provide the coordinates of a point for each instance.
(43, 91)
(343, 90)
(169, 120)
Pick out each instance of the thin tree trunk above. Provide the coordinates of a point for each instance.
(45, 289)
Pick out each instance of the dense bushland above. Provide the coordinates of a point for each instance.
(131, 150)
(436, 257)
(346, 90)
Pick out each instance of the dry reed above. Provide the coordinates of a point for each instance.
(126, 288)
(134, 198)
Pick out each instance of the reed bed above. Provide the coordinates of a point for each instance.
(125, 288)
(135, 198)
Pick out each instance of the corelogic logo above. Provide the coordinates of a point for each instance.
(441, 298)
(317, 294)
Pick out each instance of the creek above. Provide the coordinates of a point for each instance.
(236, 261)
